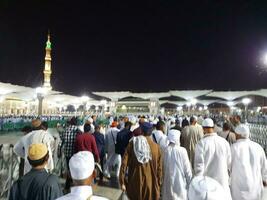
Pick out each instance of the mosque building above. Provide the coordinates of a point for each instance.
(21, 100)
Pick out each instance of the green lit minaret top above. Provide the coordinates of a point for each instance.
(48, 43)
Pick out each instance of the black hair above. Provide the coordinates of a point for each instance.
(185, 123)
(226, 126)
(128, 124)
(87, 128)
(36, 163)
(73, 121)
(44, 125)
(26, 129)
(159, 125)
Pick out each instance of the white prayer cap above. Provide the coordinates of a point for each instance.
(82, 165)
(205, 188)
(173, 120)
(208, 122)
(174, 136)
(132, 119)
(242, 130)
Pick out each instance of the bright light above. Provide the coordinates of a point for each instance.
(123, 107)
(264, 58)
(103, 102)
(41, 90)
(205, 107)
(193, 102)
(2, 99)
(230, 103)
(179, 108)
(246, 101)
(258, 109)
(188, 104)
(96, 108)
(84, 98)
(200, 109)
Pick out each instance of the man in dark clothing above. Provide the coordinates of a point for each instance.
(86, 142)
(100, 143)
(68, 140)
(37, 184)
(123, 138)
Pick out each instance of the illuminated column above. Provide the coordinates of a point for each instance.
(113, 106)
(47, 70)
(154, 106)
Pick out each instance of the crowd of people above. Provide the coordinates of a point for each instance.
(153, 157)
(15, 123)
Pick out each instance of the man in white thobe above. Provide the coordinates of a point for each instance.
(38, 135)
(159, 137)
(113, 162)
(249, 167)
(82, 172)
(177, 169)
(213, 156)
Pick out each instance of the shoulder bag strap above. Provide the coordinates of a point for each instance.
(227, 136)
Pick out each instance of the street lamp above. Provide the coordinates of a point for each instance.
(104, 104)
(246, 101)
(40, 92)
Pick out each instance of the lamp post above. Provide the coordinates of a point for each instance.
(40, 92)
(104, 104)
(246, 101)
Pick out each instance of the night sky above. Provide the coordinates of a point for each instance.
(139, 46)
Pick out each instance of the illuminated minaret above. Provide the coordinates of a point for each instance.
(47, 69)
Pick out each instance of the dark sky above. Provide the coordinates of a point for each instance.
(137, 46)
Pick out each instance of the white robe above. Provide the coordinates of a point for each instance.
(213, 159)
(177, 173)
(38, 136)
(161, 139)
(249, 170)
(113, 159)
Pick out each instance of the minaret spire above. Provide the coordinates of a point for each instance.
(47, 68)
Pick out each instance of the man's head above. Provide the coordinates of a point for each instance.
(208, 126)
(97, 128)
(174, 136)
(128, 125)
(38, 155)
(193, 120)
(242, 131)
(125, 119)
(73, 121)
(36, 124)
(94, 117)
(160, 126)
(114, 124)
(236, 120)
(146, 128)
(87, 127)
(226, 126)
(82, 167)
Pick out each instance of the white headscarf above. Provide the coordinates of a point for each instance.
(174, 136)
(141, 149)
